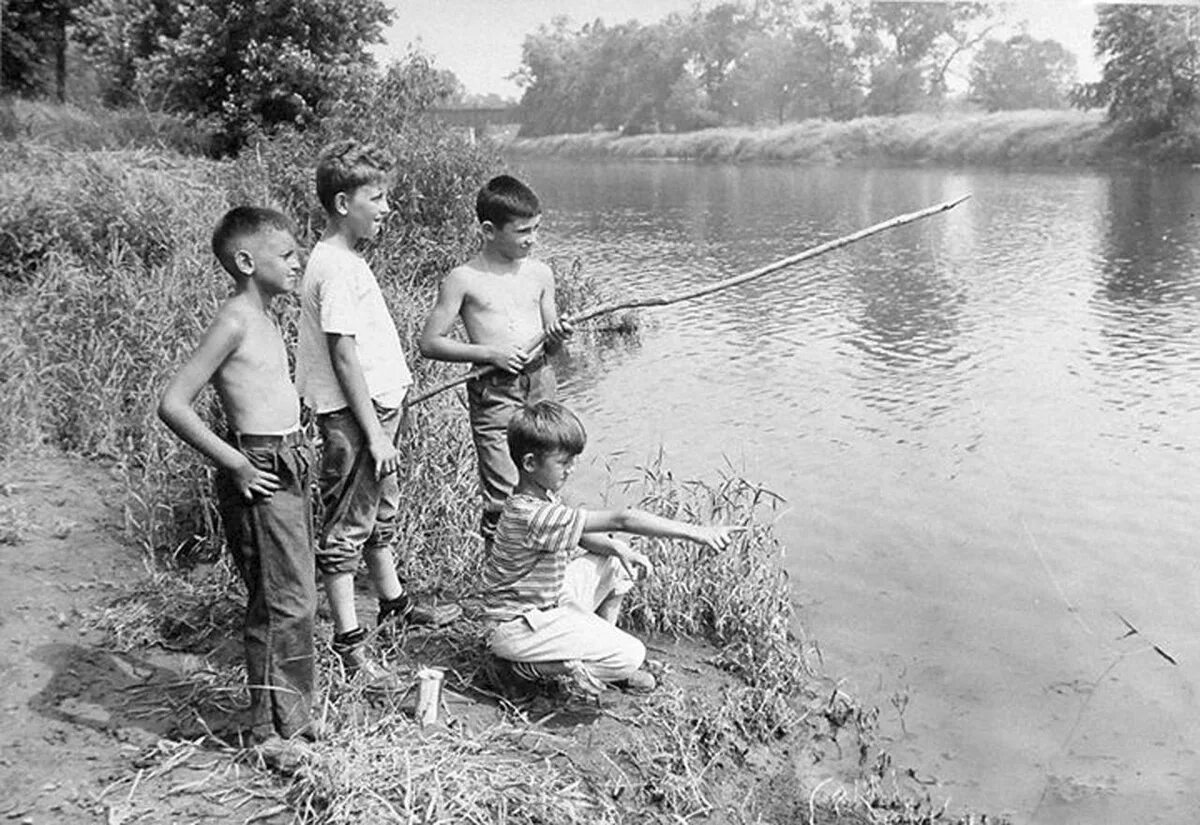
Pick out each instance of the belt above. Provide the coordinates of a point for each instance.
(499, 376)
(293, 439)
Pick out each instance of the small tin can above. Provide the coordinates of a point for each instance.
(429, 695)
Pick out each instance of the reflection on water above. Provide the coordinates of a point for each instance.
(1146, 301)
(982, 425)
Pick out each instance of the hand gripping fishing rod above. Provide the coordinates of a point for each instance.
(664, 300)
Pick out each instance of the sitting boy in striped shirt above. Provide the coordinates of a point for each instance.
(555, 616)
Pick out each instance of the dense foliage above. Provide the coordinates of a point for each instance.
(249, 65)
(33, 46)
(1022, 73)
(107, 280)
(1151, 74)
(767, 61)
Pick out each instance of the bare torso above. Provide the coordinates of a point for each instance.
(503, 307)
(253, 382)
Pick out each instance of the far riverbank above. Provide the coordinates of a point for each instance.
(1036, 137)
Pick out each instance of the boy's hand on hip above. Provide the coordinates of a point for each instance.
(252, 481)
(385, 457)
(510, 359)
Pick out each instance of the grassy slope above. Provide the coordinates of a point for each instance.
(107, 282)
(1027, 137)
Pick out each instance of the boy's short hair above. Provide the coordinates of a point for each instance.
(346, 165)
(241, 222)
(504, 198)
(543, 428)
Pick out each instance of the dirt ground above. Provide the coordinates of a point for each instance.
(81, 726)
(89, 734)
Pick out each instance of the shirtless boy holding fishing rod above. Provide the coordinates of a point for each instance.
(505, 299)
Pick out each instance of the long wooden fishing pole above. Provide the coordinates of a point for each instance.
(664, 300)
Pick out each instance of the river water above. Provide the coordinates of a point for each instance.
(986, 426)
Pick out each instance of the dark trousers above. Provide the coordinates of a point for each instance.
(492, 400)
(271, 543)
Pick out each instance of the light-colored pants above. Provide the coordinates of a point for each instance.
(573, 630)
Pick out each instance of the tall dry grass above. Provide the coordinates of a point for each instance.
(73, 127)
(108, 282)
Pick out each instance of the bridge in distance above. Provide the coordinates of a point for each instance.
(477, 122)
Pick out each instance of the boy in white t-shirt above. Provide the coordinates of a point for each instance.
(350, 368)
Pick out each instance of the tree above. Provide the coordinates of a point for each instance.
(1022, 73)
(546, 59)
(715, 40)
(917, 44)
(1151, 74)
(119, 35)
(618, 77)
(765, 81)
(33, 46)
(250, 64)
(831, 51)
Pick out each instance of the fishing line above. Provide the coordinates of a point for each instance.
(1032, 540)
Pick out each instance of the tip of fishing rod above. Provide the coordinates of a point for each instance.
(958, 200)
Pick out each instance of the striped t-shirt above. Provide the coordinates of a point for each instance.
(534, 541)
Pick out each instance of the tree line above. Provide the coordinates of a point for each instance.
(250, 66)
(238, 67)
(780, 60)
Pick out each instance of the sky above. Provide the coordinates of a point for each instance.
(480, 40)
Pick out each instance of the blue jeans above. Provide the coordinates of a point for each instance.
(360, 511)
(271, 542)
(492, 400)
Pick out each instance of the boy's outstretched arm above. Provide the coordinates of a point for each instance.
(176, 410)
(343, 354)
(641, 523)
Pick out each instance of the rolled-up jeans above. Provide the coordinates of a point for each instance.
(360, 511)
(270, 539)
(493, 399)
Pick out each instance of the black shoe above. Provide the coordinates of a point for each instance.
(284, 756)
(402, 611)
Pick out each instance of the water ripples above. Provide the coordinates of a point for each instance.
(999, 404)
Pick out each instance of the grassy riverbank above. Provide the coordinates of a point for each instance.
(107, 280)
(1058, 138)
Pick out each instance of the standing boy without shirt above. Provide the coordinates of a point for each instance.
(262, 464)
(351, 370)
(505, 299)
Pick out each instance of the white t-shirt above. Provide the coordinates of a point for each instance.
(339, 294)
